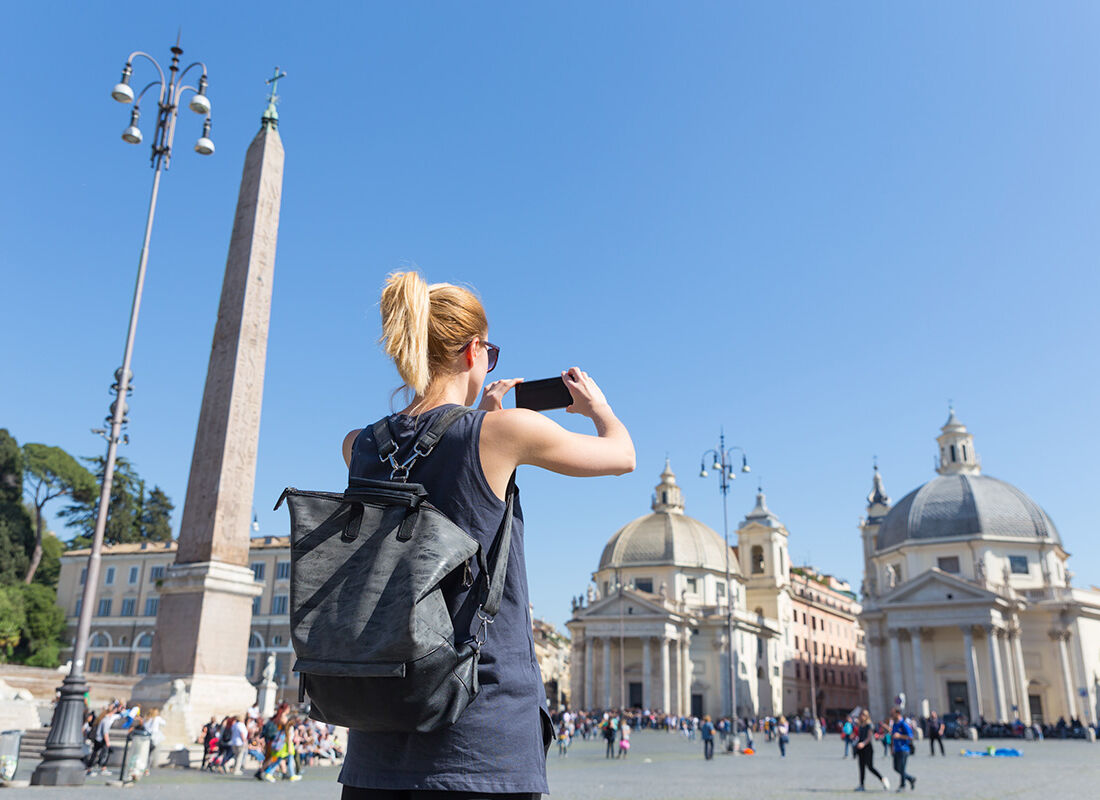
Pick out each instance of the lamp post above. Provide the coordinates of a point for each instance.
(723, 463)
(62, 763)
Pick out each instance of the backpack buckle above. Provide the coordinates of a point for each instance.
(482, 629)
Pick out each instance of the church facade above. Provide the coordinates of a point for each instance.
(652, 631)
(968, 605)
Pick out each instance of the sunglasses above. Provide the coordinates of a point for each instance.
(494, 353)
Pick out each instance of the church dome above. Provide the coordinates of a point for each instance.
(667, 536)
(963, 503)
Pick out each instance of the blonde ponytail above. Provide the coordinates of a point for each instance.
(424, 327)
(406, 305)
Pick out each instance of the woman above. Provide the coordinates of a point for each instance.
(783, 730)
(436, 336)
(865, 750)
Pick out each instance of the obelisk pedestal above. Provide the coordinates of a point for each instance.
(205, 613)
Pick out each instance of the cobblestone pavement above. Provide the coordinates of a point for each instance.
(664, 765)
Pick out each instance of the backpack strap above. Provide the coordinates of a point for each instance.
(387, 448)
(494, 577)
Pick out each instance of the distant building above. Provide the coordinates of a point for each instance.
(552, 652)
(826, 635)
(967, 602)
(651, 631)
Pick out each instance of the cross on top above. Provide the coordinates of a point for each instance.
(274, 81)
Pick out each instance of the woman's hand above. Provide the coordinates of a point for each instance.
(587, 396)
(492, 397)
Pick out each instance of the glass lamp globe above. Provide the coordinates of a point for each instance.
(204, 147)
(123, 93)
(132, 135)
(200, 104)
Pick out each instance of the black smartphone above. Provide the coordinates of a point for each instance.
(543, 394)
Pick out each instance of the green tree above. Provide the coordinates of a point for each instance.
(49, 569)
(49, 473)
(156, 516)
(13, 617)
(16, 528)
(133, 515)
(40, 640)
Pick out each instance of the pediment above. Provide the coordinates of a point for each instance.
(630, 604)
(934, 586)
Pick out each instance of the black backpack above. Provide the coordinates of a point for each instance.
(376, 647)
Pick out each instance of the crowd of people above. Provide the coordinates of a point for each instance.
(278, 747)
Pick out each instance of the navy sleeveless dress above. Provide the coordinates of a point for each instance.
(498, 745)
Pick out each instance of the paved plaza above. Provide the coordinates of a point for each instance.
(666, 766)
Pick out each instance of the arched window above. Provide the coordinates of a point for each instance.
(954, 457)
(255, 641)
(145, 641)
(757, 559)
(100, 639)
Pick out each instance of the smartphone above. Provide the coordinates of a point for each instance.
(543, 394)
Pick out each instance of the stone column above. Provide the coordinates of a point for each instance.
(897, 684)
(589, 694)
(1012, 695)
(997, 674)
(874, 677)
(973, 687)
(1021, 675)
(918, 703)
(1083, 679)
(666, 695)
(1061, 637)
(647, 674)
(606, 672)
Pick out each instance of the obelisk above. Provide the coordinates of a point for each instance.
(205, 608)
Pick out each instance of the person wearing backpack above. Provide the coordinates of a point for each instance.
(437, 337)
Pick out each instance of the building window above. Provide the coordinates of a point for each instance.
(255, 641)
(276, 640)
(757, 559)
(720, 587)
(644, 584)
(953, 456)
(156, 573)
(143, 666)
(83, 575)
(258, 570)
(1018, 565)
(109, 576)
(127, 609)
(152, 604)
(256, 605)
(278, 604)
(796, 643)
(251, 668)
(948, 564)
(79, 605)
(145, 641)
(282, 571)
(95, 664)
(134, 572)
(118, 665)
(104, 609)
(99, 639)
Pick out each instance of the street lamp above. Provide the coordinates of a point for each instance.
(723, 463)
(62, 760)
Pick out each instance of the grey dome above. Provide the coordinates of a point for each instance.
(666, 538)
(963, 506)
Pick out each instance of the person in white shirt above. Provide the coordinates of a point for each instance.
(101, 741)
(238, 744)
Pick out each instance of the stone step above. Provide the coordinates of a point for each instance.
(32, 743)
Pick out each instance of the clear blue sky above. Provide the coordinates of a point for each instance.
(810, 223)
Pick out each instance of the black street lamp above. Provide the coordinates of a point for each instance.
(62, 760)
(723, 464)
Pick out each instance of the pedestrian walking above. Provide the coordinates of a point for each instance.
(846, 732)
(901, 738)
(935, 733)
(706, 730)
(238, 743)
(865, 750)
(783, 729)
(608, 728)
(624, 739)
(437, 337)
